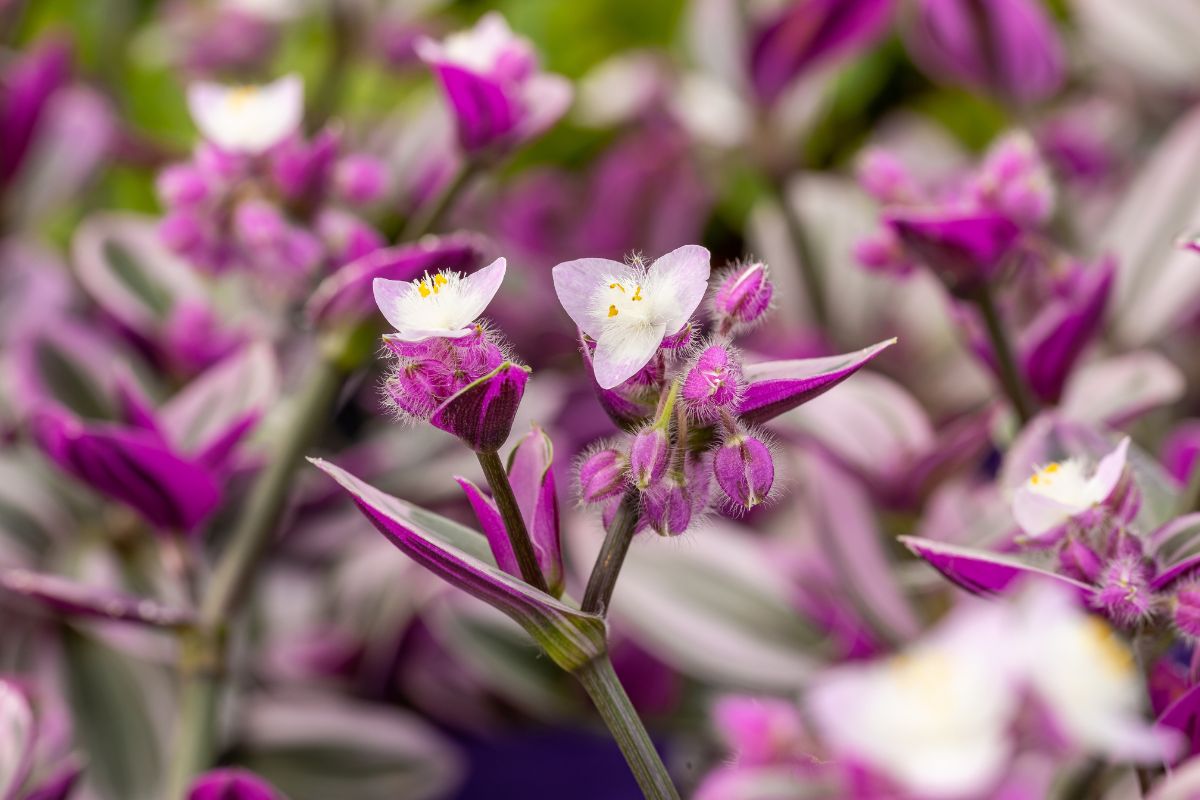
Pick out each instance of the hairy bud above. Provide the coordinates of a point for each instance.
(648, 457)
(602, 475)
(743, 297)
(745, 470)
(713, 383)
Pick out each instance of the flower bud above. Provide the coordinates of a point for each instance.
(360, 179)
(885, 177)
(602, 475)
(743, 297)
(648, 457)
(680, 339)
(884, 252)
(418, 387)
(745, 470)
(713, 383)
(259, 224)
(181, 185)
(181, 231)
(481, 413)
(1124, 591)
(1186, 612)
(667, 507)
(1080, 561)
(1016, 182)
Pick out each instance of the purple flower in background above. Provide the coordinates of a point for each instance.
(27, 85)
(497, 93)
(808, 33)
(628, 309)
(247, 119)
(1007, 47)
(232, 784)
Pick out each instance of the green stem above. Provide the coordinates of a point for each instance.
(1006, 363)
(430, 215)
(602, 685)
(603, 579)
(810, 271)
(201, 660)
(514, 523)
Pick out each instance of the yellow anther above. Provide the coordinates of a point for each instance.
(423, 288)
(616, 286)
(637, 295)
(612, 311)
(1051, 467)
(241, 95)
(439, 280)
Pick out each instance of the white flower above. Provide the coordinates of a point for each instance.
(1086, 677)
(934, 719)
(440, 305)
(629, 309)
(1060, 490)
(247, 119)
(480, 49)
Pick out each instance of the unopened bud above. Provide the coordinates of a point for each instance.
(745, 470)
(885, 177)
(680, 339)
(667, 507)
(743, 297)
(418, 387)
(1079, 561)
(181, 185)
(360, 179)
(1124, 591)
(602, 475)
(259, 224)
(1187, 610)
(713, 383)
(648, 457)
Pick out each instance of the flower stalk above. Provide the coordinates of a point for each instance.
(514, 523)
(1006, 363)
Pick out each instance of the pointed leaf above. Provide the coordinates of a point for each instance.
(779, 386)
(982, 572)
(570, 637)
(531, 473)
(65, 596)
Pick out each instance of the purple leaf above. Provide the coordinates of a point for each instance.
(346, 295)
(981, 572)
(567, 635)
(232, 784)
(962, 248)
(1184, 715)
(29, 83)
(482, 413)
(493, 526)
(779, 386)
(67, 597)
(483, 110)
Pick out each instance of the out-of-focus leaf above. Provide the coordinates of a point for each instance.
(1155, 39)
(113, 723)
(76, 599)
(29, 512)
(317, 749)
(16, 739)
(65, 364)
(982, 572)
(715, 606)
(1120, 389)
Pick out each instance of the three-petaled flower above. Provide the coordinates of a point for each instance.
(442, 305)
(1062, 490)
(629, 308)
(247, 119)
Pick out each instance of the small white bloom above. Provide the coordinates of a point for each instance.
(934, 719)
(1063, 489)
(629, 309)
(247, 119)
(442, 305)
(479, 49)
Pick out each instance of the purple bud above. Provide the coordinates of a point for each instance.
(347, 236)
(1080, 561)
(182, 231)
(301, 250)
(259, 224)
(1187, 610)
(182, 185)
(418, 387)
(1015, 181)
(360, 179)
(713, 383)
(667, 507)
(885, 177)
(744, 296)
(482, 413)
(648, 457)
(1124, 591)
(680, 339)
(745, 470)
(602, 475)
(231, 784)
(884, 252)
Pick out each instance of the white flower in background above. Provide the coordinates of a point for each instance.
(491, 45)
(1086, 677)
(934, 719)
(628, 308)
(1061, 490)
(247, 119)
(442, 305)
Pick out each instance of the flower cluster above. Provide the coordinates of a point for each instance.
(257, 196)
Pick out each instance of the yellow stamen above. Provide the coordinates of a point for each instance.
(612, 311)
(242, 95)
(1051, 467)
(616, 286)
(423, 288)
(637, 295)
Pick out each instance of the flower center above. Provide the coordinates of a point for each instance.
(241, 96)
(625, 301)
(1111, 651)
(1062, 481)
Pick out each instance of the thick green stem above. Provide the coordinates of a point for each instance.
(514, 523)
(612, 555)
(201, 660)
(1006, 363)
(429, 216)
(810, 271)
(603, 686)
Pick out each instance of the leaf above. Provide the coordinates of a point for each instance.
(65, 596)
(983, 572)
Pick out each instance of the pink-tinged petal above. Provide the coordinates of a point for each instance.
(133, 467)
(1039, 514)
(804, 35)
(262, 118)
(346, 295)
(1109, 471)
(566, 634)
(388, 294)
(577, 282)
(617, 360)
(981, 572)
(962, 248)
(482, 285)
(232, 784)
(224, 402)
(17, 734)
(775, 387)
(483, 110)
(686, 271)
(482, 414)
(627, 412)
(73, 599)
(1056, 338)
(545, 98)
(493, 526)
(531, 473)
